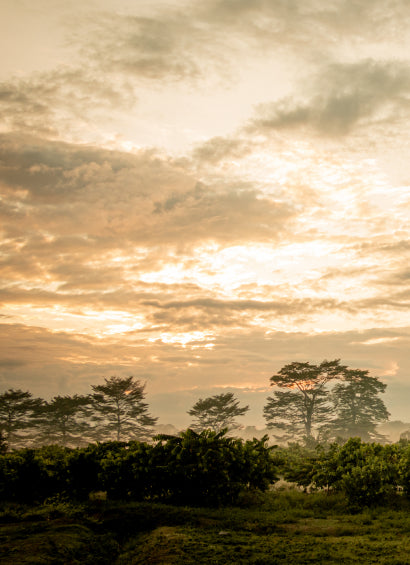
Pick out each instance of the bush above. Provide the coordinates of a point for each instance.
(130, 473)
(365, 473)
(200, 469)
(30, 475)
(404, 469)
(209, 468)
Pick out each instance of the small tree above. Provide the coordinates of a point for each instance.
(64, 420)
(303, 405)
(19, 416)
(119, 410)
(358, 406)
(217, 412)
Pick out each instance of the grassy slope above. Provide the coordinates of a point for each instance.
(288, 527)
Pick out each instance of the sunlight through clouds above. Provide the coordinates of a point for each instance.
(199, 193)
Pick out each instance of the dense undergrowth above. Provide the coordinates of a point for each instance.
(206, 498)
(204, 468)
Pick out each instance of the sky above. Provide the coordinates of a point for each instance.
(199, 193)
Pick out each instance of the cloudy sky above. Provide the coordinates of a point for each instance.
(197, 193)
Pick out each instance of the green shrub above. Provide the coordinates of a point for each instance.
(209, 468)
(404, 469)
(365, 472)
(30, 475)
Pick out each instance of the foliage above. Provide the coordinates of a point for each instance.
(209, 468)
(298, 464)
(64, 420)
(19, 413)
(217, 412)
(367, 473)
(358, 407)
(205, 468)
(404, 468)
(312, 408)
(132, 473)
(119, 410)
(304, 405)
(30, 475)
(3, 444)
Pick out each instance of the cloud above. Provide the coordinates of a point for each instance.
(343, 96)
(88, 229)
(93, 196)
(199, 43)
(220, 148)
(183, 267)
(52, 102)
(398, 278)
(63, 363)
(312, 22)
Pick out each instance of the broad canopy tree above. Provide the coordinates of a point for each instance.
(304, 403)
(312, 405)
(120, 412)
(358, 407)
(217, 412)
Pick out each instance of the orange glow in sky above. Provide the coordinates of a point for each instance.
(199, 193)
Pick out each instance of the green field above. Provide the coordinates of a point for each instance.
(288, 527)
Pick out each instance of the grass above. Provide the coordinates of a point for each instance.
(275, 528)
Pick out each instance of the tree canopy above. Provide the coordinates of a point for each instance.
(18, 416)
(314, 405)
(304, 405)
(64, 420)
(217, 412)
(120, 411)
(358, 406)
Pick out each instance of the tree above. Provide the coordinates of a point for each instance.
(119, 410)
(3, 444)
(19, 413)
(217, 412)
(358, 406)
(64, 420)
(304, 405)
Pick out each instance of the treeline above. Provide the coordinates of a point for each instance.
(207, 469)
(313, 403)
(113, 411)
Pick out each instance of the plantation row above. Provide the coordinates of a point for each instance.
(201, 469)
(206, 468)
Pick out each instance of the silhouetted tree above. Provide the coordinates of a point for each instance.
(3, 444)
(19, 416)
(217, 412)
(119, 410)
(64, 420)
(358, 406)
(304, 404)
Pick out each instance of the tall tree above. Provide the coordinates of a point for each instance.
(19, 416)
(65, 420)
(120, 411)
(3, 444)
(217, 412)
(358, 406)
(304, 405)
